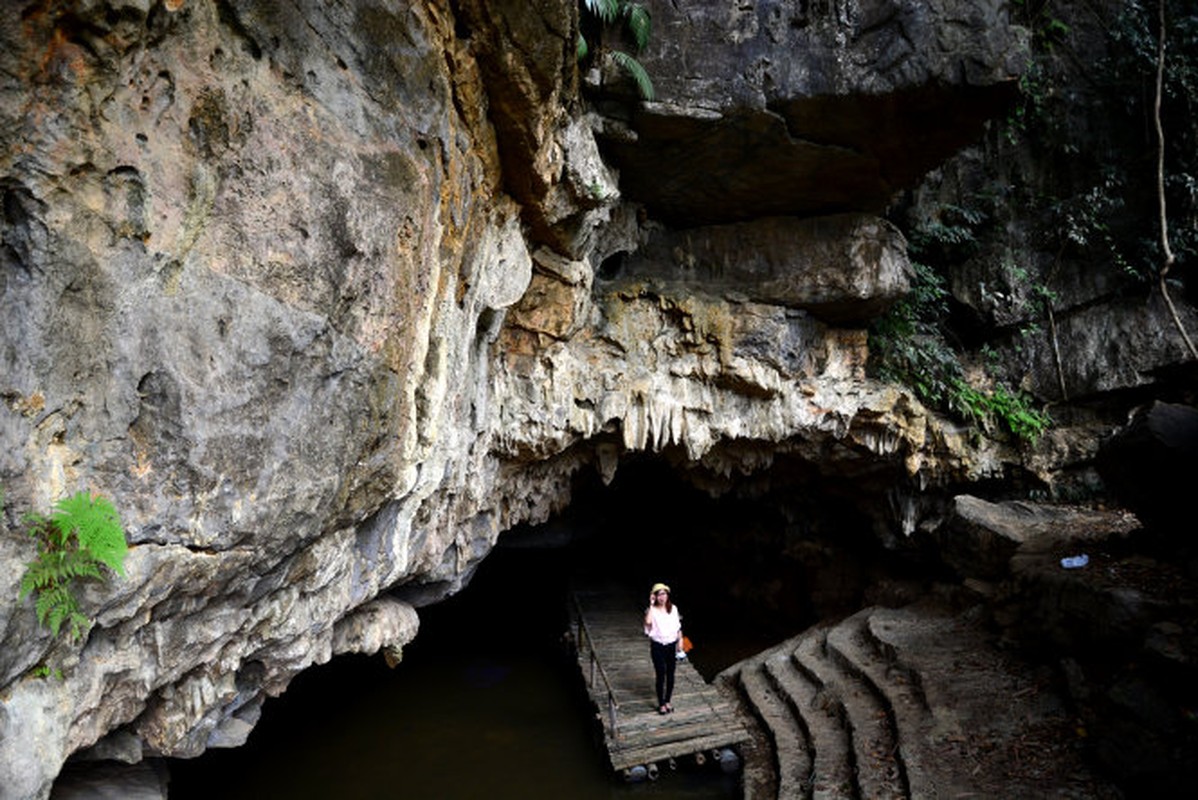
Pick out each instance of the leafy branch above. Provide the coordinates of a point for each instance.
(631, 17)
(82, 535)
(909, 345)
(1011, 410)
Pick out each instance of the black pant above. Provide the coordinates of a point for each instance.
(664, 660)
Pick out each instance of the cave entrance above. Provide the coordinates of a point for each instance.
(760, 562)
(488, 701)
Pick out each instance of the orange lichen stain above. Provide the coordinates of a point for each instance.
(173, 5)
(57, 39)
(143, 467)
(30, 406)
(61, 50)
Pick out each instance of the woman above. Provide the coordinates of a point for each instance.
(663, 626)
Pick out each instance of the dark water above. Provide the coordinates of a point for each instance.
(486, 704)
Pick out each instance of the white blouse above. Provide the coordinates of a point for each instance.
(664, 626)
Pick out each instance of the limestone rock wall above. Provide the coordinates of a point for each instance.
(1054, 283)
(249, 252)
(315, 294)
(806, 107)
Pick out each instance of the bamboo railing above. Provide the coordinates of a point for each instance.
(582, 639)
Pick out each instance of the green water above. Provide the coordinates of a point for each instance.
(486, 704)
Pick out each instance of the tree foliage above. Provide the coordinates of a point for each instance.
(1085, 182)
(1111, 219)
(618, 17)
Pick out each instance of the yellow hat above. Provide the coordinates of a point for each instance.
(659, 587)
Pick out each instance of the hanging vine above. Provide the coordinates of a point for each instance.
(1167, 257)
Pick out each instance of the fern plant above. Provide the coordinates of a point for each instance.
(81, 535)
(1011, 410)
(637, 21)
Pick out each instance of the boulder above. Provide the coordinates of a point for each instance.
(981, 538)
(1149, 465)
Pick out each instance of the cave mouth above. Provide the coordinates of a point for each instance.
(489, 679)
(755, 565)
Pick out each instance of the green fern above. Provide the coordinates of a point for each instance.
(639, 24)
(55, 567)
(55, 605)
(97, 526)
(606, 10)
(633, 67)
(908, 345)
(81, 535)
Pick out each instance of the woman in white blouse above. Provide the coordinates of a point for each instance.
(663, 626)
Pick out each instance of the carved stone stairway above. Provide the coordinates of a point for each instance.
(917, 702)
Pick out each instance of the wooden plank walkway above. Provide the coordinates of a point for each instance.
(613, 654)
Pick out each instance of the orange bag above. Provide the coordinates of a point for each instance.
(687, 646)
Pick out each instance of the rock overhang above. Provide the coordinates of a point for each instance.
(843, 269)
(797, 108)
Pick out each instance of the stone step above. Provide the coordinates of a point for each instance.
(853, 647)
(865, 712)
(965, 717)
(822, 715)
(878, 630)
(791, 761)
(868, 740)
(855, 641)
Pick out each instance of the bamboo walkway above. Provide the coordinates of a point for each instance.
(613, 654)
